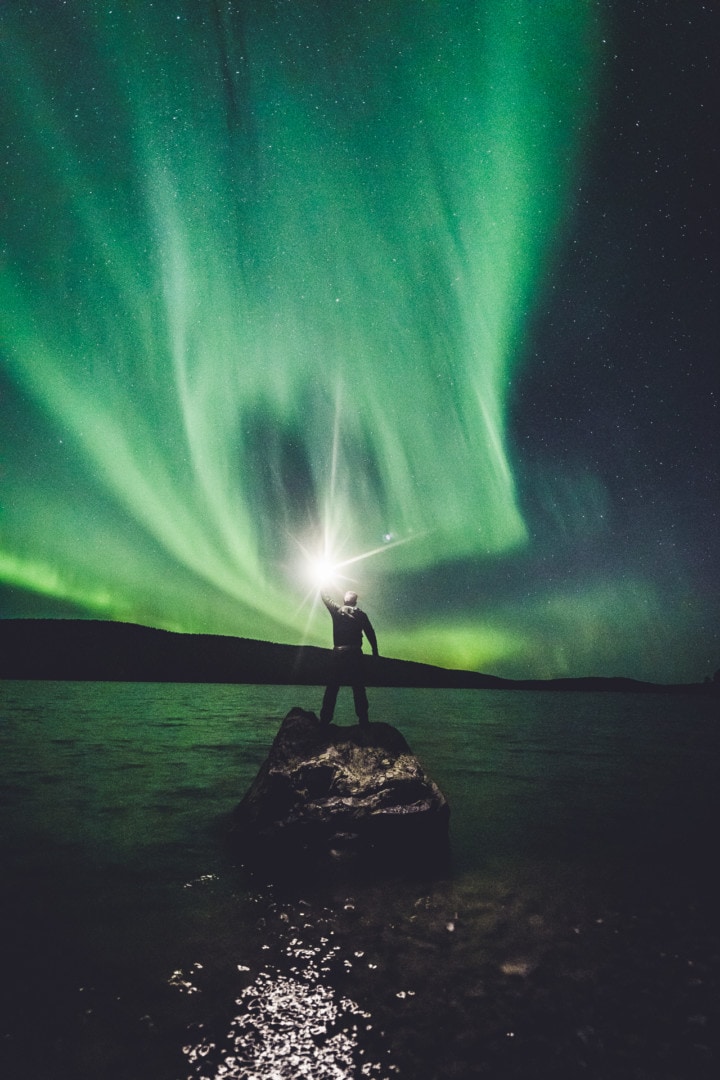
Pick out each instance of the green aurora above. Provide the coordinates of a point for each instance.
(266, 286)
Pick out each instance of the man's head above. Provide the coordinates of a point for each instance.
(350, 599)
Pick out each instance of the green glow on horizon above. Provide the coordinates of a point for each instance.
(454, 644)
(272, 286)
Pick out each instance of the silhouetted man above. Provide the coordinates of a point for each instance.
(349, 625)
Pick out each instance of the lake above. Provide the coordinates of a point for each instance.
(576, 934)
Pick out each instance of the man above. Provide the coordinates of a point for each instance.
(349, 625)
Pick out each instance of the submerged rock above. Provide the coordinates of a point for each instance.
(339, 792)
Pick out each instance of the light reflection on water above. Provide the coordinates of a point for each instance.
(288, 1026)
(569, 934)
(291, 1018)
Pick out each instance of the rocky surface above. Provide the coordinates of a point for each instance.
(339, 793)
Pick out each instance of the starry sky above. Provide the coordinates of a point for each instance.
(424, 289)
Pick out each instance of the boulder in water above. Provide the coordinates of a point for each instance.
(341, 792)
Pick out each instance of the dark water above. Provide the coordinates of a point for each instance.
(576, 936)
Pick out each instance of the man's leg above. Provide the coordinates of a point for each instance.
(328, 704)
(361, 704)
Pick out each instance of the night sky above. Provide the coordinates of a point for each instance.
(434, 281)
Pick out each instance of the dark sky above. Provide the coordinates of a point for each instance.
(436, 282)
(622, 376)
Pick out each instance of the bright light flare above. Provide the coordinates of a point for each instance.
(328, 570)
(322, 572)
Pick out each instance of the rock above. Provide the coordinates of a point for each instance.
(336, 793)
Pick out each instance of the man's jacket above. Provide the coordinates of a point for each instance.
(349, 624)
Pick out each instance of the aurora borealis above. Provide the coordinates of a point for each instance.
(433, 280)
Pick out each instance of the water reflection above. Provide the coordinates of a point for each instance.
(512, 976)
(291, 1020)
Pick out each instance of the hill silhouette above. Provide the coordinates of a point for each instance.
(85, 649)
